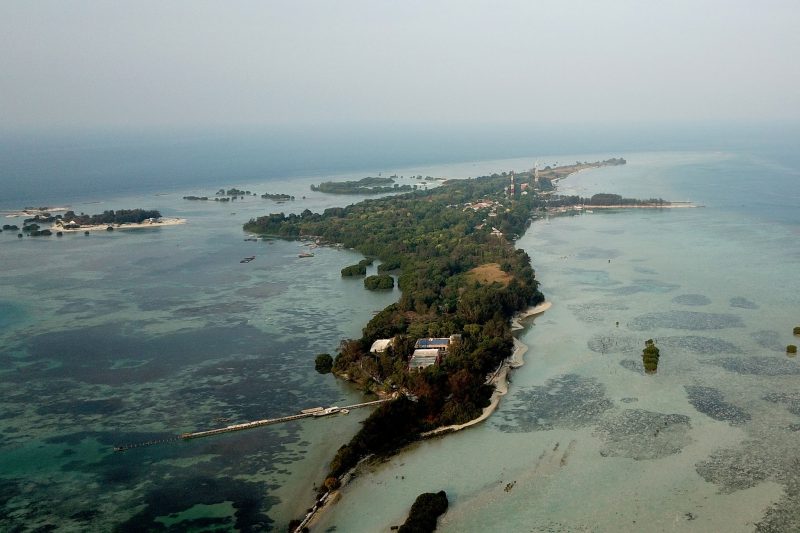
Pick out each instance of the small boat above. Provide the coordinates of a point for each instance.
(312, 410)
(328, 411)
(248, 259)
(345, 411)
(305, 254)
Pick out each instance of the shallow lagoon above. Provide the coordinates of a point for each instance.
(125, 337)
(585, 441)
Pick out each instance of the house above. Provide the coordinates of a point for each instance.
(438, 343)
(430, 351)
(424, 357)
(380, 345)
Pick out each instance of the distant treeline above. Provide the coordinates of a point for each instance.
(368, 185)
(616, 199)
(120, 216)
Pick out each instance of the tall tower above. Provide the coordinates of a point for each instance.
(513, 189)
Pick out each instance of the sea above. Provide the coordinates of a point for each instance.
(125, 337)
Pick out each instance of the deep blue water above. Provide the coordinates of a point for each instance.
(67, 167)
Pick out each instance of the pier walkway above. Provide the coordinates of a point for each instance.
(305, 413)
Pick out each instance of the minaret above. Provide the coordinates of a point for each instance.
(513, 185)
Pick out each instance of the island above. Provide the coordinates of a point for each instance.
(440, 351)
(368, 185)
(280, 197)
(113, 219)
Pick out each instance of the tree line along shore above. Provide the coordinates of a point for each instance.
(73, 222)
(460, 275)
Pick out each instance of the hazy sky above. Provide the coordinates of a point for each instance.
(141, 63)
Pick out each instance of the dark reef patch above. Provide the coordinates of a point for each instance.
(645, 285)
(785, 514)
(262, 290)
(757, 366)
(698, 345)
(103, 406)
(736, 469)
(86, 515)
(743, 303)
(711, 402)
(91, 354)
(634, 365)
(639, 434)
(597, 311)
(568, 401)
(614, 344)
(594, 278)
(689, 320)
(594, 252)
(173, 496)
(769, 339)
(692, 300)
(215, 309)
(789, 400)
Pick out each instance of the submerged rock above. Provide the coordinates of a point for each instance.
(639, 434)
(711, 402)
(568, 401)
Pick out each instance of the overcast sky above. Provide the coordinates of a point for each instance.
(85, 64)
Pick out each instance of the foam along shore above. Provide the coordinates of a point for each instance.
(103, 227)
(500, 377)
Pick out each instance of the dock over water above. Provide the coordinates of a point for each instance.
(316, 412)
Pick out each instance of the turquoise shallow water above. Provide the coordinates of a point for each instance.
(125, 337)
(585, 441)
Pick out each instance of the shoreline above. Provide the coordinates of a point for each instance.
(103, 227)
(500, 377)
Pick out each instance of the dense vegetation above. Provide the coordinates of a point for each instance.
(323, 363)
(605, 199)
(796, 329)
(791, 349)
(354, 270)
(436, 239)
(425, 512)
(120, 216)
(381, 281)
(367, 185)
(281, 197)
(650, 356)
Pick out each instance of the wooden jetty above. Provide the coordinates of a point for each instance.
(315, 412)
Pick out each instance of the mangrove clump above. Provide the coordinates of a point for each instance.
(354, 270)
(650, 356)
(323, 363)
(379, 282)
(425, 512)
